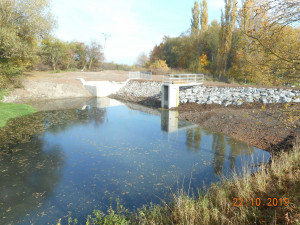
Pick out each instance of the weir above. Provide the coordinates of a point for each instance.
(106, 88)
(169, 89)
(171, 84)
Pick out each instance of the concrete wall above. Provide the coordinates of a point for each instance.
(102, 88)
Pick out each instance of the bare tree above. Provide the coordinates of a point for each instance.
(142, 59)
(94, 54)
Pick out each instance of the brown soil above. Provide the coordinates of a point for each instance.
(70, 77)
(107, 75)
(267, 127)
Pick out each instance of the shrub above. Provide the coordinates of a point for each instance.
(159, 67)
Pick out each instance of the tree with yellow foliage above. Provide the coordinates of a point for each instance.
(227, 25)
(268, 53)
(200, 65)
(159, 67)
(195, 19)
(203, 16)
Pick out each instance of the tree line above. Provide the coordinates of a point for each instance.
(256, 43)
(26, 42)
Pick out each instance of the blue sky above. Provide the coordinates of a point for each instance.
(135, 26)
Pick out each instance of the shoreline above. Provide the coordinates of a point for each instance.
(255, 124)
(271, 127)
(267, 126)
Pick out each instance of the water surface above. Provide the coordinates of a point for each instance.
(76, 160)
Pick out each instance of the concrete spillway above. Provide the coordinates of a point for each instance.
(102, 88)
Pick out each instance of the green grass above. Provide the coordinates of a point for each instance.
(11, 110)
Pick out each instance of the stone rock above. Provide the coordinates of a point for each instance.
(297, 100)
(263, 100)
(285, 99)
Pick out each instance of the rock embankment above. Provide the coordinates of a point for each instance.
(237, 96)
(141, 89)
(218, 95)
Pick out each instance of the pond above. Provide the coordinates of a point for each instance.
(85, 157)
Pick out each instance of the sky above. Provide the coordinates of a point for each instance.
(133, 26)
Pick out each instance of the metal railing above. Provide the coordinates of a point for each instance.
(140, 75)
(184, 79)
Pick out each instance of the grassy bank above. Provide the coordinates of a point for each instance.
(270, 196)
(11, 110)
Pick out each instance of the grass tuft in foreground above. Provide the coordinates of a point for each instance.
(11, 110)
(278, 180)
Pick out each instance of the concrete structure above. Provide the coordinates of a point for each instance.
(106, 88)
(171, 85)
(170, 95)
(102, 88)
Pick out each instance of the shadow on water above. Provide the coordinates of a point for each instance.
(77, 159)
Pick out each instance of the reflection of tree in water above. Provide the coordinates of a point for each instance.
(219, 148)
(193, 138)
(74, 117)
(28, 176)
(193, 141)
(22, 129)
(238, 148)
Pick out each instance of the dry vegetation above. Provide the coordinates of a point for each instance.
(278, 179)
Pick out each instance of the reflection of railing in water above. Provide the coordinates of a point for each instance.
(183, 79)
(140, 75)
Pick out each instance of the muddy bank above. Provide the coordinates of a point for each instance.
(269, 127)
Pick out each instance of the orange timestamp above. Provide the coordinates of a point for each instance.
(269, 202)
